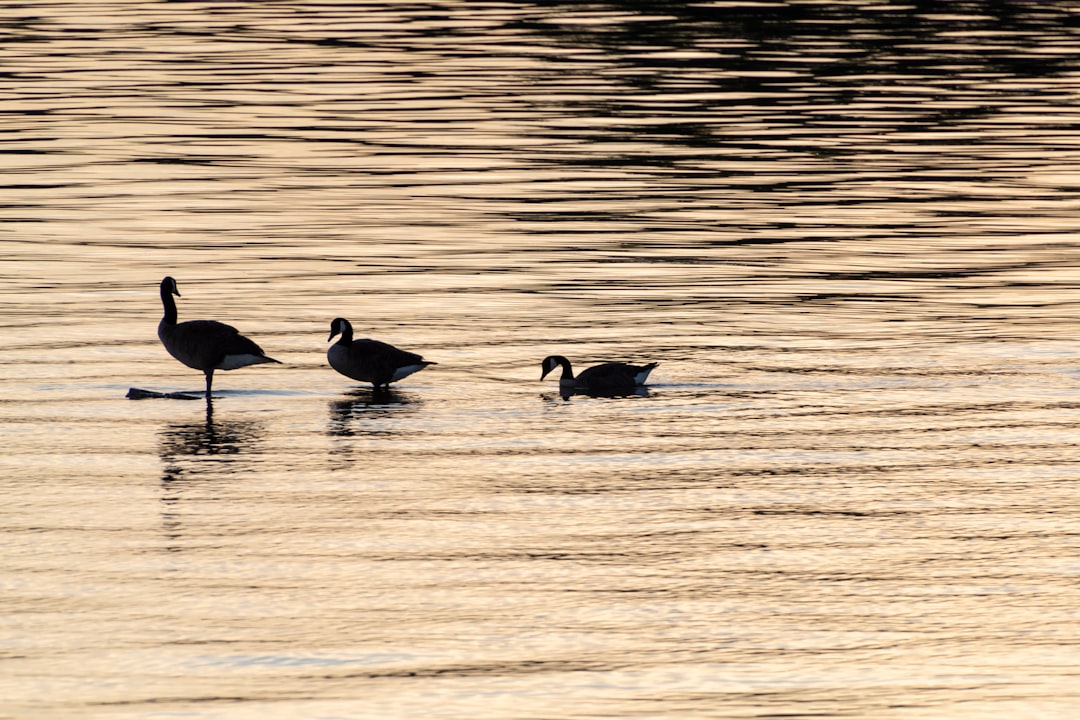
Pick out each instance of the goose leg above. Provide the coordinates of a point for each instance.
(209, 382)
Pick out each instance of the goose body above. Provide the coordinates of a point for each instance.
(370, 361)
(608, 377)
(205, 345)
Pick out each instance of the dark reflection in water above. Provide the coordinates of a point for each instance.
(366, 404)
(212, 438)
(863, 38)
(197, 453)
(566, 394)
(805, 56)
(800, 105)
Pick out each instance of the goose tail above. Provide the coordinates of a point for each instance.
(643, 373)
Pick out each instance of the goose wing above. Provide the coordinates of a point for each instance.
(615, 374)
(379, 362)
(607, 375)
(204, 344)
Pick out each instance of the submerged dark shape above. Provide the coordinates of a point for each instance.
(370, 361)
(140, 394)
(205, 345)
(608, 378)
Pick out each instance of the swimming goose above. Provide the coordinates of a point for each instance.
(206, 345)
(609, 377)
(370, 360)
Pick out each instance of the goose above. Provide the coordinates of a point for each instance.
(206, 345)
(608, 377)
(370, 361)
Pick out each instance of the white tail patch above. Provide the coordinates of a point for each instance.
(405, 371)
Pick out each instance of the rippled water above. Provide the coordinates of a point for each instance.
(846, 232)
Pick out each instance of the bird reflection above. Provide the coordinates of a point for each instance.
(229, 437)
(566, 394)
(367, 404)
(198, 451)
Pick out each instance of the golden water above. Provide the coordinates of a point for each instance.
(847, 233)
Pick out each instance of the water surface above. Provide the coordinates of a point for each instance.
(846, 232)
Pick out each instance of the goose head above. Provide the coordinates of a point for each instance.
(550, 363)
(168, 285)
(339, 326)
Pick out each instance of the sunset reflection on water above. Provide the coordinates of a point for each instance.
(846, 233)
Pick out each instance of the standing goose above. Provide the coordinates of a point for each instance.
(370, 361)
(206, 345)
(609, 377)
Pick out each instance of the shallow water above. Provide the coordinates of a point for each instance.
(846, 233)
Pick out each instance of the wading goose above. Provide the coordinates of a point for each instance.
(370, 360)
(206, 345)
(609, 377)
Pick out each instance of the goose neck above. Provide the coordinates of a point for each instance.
(170, 305)
(346, 337)
(567, 371)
